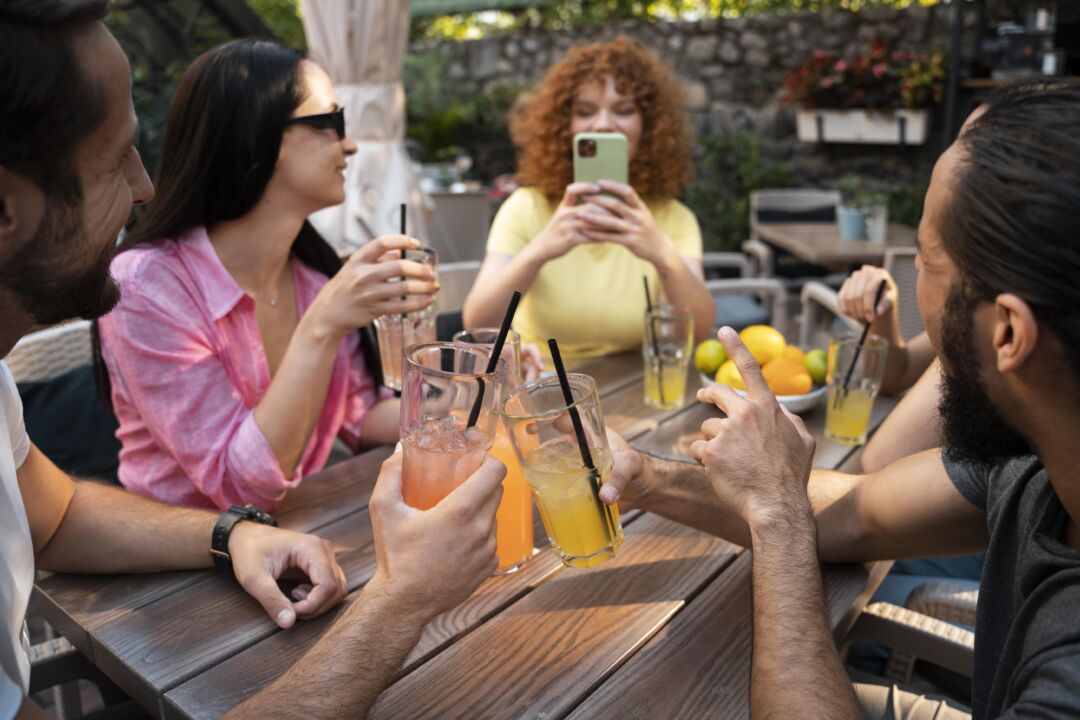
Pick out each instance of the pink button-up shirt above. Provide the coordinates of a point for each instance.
(187, 366)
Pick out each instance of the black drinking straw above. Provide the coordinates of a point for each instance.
(839, 399)
(575, 418)
(496, 352)
(655, 342)
(404, 213)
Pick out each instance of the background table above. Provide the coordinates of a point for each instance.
(663, 630)
(820, 243)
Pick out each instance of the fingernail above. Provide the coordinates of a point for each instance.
(608, 494)
(285, 617)
(727, 332)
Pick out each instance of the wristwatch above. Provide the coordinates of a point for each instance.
(219, 542)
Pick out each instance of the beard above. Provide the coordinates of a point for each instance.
(49, 276)
(973, 431)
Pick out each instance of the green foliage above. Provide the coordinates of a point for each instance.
(729, 166)
(283, 19)
(570, 14)
(906, 203)
(447, 124)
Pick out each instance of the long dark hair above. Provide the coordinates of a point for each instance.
(222, 140)
(1013, 219)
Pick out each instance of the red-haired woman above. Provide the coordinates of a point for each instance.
(577, 254)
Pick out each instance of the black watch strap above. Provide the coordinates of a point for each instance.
(219, 541)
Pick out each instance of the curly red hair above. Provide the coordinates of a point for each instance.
(540, 126)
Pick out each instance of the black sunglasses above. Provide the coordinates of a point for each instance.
(326, 121)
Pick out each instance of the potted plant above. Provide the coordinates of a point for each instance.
(862, 214)
(879, 97)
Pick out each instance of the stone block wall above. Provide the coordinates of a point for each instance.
(733, 71)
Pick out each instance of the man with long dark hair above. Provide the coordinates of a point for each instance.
(999, 262)
(69, 175)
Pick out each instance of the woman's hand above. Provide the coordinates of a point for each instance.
(627, 221)
(367, 287)
(566, 229)
(856, 296)
(532, 362)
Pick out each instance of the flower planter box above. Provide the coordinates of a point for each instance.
(900, 127)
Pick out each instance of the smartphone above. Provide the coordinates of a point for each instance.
(600, 156)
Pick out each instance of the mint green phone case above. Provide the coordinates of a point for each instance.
(607, 160)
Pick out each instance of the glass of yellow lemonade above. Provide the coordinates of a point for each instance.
(514, 518)
(668, 346)
(582, 529)
(854, 374)
(443, 382)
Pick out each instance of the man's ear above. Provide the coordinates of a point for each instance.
(22, 206)
(1016, 332)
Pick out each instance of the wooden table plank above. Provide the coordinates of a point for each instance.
(75, 604)
(673, 438)
(821, 244)
(699, 664)
(625, 410)
(542, 655)
(613, 372)
(149, 651)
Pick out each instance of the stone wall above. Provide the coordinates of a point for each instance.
(733, 73)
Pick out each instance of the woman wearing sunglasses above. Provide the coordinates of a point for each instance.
(233, 356)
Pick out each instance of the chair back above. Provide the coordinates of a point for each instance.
(792, 205)
(900, 262)
(455, 281)
(46, 354)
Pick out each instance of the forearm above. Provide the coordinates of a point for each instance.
(682, 286)
(490, 294)
(796, 669)
(381, 426)
(887, 326)
(343, 674)
(289, 410)
(109, 530)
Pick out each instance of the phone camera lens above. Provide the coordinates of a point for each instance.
(587, 148)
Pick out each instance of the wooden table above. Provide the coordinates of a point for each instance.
(663, 630)
(820, 243)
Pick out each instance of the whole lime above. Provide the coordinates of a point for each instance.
(709, 356)
(817, 364)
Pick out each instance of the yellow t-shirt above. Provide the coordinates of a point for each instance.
(591, 300)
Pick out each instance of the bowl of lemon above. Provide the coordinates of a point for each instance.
(796, 376)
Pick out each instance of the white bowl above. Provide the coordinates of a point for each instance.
(794, 403)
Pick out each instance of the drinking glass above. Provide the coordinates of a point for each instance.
(855, 373)
(443, 383)
(514, 518)
(396, 333)
(669, 342)
(582, 529)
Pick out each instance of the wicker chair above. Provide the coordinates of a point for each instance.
(45, 354)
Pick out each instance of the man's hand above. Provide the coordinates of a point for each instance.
(758, 458)
(630, 477)
(431, 560)
(261, 555)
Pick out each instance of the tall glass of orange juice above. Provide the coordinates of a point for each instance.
(442, 384)
(856, 373)
(514, 518)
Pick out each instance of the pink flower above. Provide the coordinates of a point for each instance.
(840, 66)
(879, 69)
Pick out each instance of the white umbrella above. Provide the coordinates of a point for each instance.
(361, 44)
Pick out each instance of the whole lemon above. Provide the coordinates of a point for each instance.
(709, 356)
(729, 375)
(817, 364)
(763, 342)
(785, 376)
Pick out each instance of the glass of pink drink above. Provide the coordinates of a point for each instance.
(443, 382)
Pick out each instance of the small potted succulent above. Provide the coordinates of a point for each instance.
(862, 214)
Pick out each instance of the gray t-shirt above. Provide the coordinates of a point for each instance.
(1027, 628)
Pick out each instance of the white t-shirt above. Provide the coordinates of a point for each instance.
(16, 552)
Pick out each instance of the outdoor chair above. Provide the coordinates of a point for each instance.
(933, 629)
(796, 205)
(455, 281)
(63, 413)
(744, 300)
